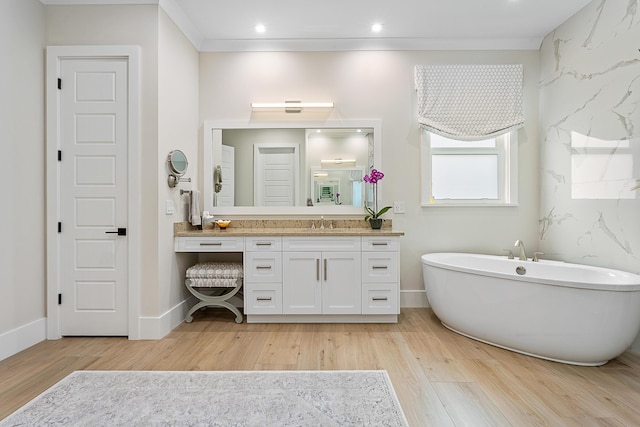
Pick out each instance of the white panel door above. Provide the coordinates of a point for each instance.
(226, 197)
(275, 175)
(93, 196)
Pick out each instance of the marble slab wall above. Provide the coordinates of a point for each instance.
(590, 125)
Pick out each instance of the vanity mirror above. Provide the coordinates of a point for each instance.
(177, 164)
(289, 168)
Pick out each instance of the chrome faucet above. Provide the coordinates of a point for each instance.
(523, 254)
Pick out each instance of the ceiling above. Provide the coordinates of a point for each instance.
(229, 25)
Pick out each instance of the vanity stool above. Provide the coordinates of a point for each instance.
(214, 283)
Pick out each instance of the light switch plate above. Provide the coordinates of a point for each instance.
(171, 207)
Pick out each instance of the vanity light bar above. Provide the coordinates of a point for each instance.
(290, 106)
(339, 161)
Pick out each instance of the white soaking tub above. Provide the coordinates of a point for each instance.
(558, 311)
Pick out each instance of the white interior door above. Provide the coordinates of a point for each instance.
(226, 197)
(93, 196)
(276, 169)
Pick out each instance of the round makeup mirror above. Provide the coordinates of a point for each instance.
(178, 164)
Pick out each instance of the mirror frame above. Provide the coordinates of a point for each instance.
(213, 136)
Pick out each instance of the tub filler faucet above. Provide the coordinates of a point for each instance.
(523, 254)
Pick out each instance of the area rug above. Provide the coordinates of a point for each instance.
(215, 398)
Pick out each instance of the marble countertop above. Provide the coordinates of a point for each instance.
(286, 228)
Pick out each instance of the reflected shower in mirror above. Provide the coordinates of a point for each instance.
(290, 167)
(338, 186)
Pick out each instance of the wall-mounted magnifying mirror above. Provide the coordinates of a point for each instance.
(178, 164)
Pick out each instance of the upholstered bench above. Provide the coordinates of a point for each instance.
(214, 283)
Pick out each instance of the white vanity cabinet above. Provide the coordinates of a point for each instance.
(313, 277)
(321, 282)
(380, 275)
(263, 275)
(321, 275)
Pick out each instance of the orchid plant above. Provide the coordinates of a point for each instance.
(373, 179)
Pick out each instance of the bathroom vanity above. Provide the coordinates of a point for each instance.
(297, 274)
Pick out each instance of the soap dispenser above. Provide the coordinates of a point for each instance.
(207, 221)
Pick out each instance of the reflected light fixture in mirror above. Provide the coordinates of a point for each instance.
(338, 162)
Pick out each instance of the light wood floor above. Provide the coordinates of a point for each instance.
(441, 378)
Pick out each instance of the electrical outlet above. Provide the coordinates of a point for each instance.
(398, 207)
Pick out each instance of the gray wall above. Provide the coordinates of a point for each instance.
(22, 222)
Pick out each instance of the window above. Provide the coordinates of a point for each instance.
(469, 173)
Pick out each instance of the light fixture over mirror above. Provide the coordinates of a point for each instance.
(324, 158)
(291, 106)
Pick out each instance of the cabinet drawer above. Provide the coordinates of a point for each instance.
(379, 267)
(209, 244)
(380, 298)
(321, 243)
(380, 243)
(262, 298)
(263, 244)
(263, 267)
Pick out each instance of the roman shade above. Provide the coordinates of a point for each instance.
(469, 102)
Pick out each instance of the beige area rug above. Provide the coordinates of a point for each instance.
(215, 398)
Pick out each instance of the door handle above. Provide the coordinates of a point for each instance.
(120, 232)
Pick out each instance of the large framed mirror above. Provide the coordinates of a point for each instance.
(296, 168)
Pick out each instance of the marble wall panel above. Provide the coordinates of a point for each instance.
(590, 128)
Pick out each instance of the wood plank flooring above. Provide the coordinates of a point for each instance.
(441, 378)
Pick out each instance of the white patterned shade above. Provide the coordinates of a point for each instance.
(469, 102)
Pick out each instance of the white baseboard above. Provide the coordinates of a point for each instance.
(155, 328)
(417, 298)
(23, 337)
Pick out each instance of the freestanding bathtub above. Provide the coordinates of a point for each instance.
(558, 311)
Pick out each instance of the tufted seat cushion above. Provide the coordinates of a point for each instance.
(215, 274)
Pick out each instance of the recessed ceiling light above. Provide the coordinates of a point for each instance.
(376, 28)
(260, 28)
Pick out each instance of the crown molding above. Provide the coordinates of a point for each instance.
(371, 44)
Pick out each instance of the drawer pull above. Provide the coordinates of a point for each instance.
(380, 298)
(263, 267)
(379, 243)
(263, 244)
(379, 267)
(211, 244)
(264, 298)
